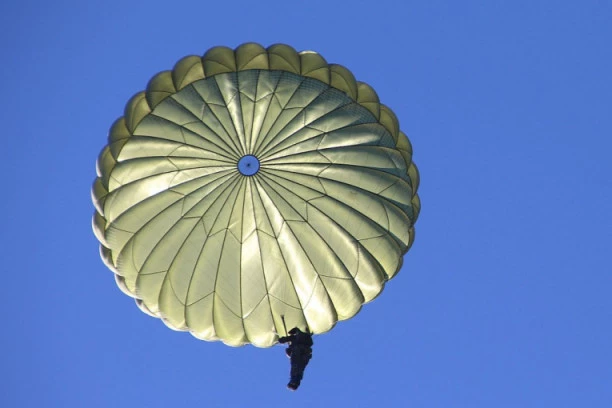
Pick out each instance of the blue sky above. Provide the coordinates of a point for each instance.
(504, 300)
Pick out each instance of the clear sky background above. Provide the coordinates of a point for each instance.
(503, 301)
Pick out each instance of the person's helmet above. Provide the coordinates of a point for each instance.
(294, 331)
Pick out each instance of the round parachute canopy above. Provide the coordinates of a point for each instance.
(254, 184)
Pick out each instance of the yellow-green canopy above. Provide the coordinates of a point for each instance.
(251, 184)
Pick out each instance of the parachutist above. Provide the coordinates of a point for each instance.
(299, 353)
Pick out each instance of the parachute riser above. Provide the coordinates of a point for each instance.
(284, 325)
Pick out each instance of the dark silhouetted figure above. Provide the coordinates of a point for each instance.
(299, 352)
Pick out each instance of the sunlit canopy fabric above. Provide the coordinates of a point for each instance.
(251, 184)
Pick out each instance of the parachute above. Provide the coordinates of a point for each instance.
(250, 184)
